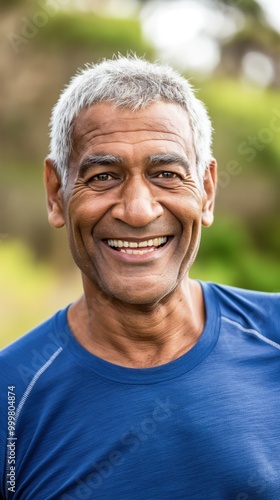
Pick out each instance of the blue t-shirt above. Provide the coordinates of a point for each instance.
(205, 426)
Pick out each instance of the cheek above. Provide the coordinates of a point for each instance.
(187, 209)
(189, 214)
(85, 209)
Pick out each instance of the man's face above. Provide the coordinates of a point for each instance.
(133, 204)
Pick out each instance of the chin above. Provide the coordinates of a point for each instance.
(141, 295)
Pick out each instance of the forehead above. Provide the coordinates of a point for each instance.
(103, 124)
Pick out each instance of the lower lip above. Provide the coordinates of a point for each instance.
(137, 258)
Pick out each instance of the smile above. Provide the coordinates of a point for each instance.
(137, 248)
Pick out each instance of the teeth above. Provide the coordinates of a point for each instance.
(143, 244)
(137, 252)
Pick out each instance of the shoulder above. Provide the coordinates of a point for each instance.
(50, 331)
(240, 302)
(249, 309)
(20, 360)
(23, 362)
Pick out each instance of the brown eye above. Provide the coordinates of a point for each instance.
(103, 181)
(168, 175)
(101, 177)
(167, 179)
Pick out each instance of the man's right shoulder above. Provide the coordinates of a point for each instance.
(33, 349)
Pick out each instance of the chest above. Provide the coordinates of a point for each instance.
(182, 441)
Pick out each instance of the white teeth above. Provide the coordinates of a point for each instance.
(137, 252)
(133, 244)
(143, 244)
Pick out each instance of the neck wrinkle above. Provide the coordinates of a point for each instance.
(141, 336)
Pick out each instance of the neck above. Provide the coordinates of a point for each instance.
(139, 336)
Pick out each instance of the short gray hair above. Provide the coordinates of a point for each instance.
(130, 82)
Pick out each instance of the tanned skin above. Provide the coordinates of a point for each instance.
(133, 180)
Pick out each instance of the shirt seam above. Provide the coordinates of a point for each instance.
(252, 331)
(35, 379)
(163, 378)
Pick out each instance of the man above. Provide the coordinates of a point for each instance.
(151, 385)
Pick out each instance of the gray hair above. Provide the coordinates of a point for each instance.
(130, 82)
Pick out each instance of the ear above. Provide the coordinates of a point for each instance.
(209, 186)
(54, 194)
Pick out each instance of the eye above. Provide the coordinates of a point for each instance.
(168, 175)
(167, 179)
(103, 181)
(101, 177)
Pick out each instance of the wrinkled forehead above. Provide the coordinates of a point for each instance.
(103, 122)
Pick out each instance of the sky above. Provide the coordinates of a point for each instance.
(184, 33)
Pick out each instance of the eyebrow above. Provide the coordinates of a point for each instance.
(168, 159)
(92, 160)
(110, 159)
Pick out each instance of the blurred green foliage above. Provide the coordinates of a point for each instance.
(77, 31)
(30, 290)
(7, 4)
(240, 111)
(228, 255)
(103, 36)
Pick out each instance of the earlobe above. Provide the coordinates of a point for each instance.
(209, 183)
(54, 194)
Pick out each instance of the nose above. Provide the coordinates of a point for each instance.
(137, 206)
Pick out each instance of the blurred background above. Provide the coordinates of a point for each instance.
(230, 50)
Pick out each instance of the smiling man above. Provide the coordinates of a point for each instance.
(151, 385)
